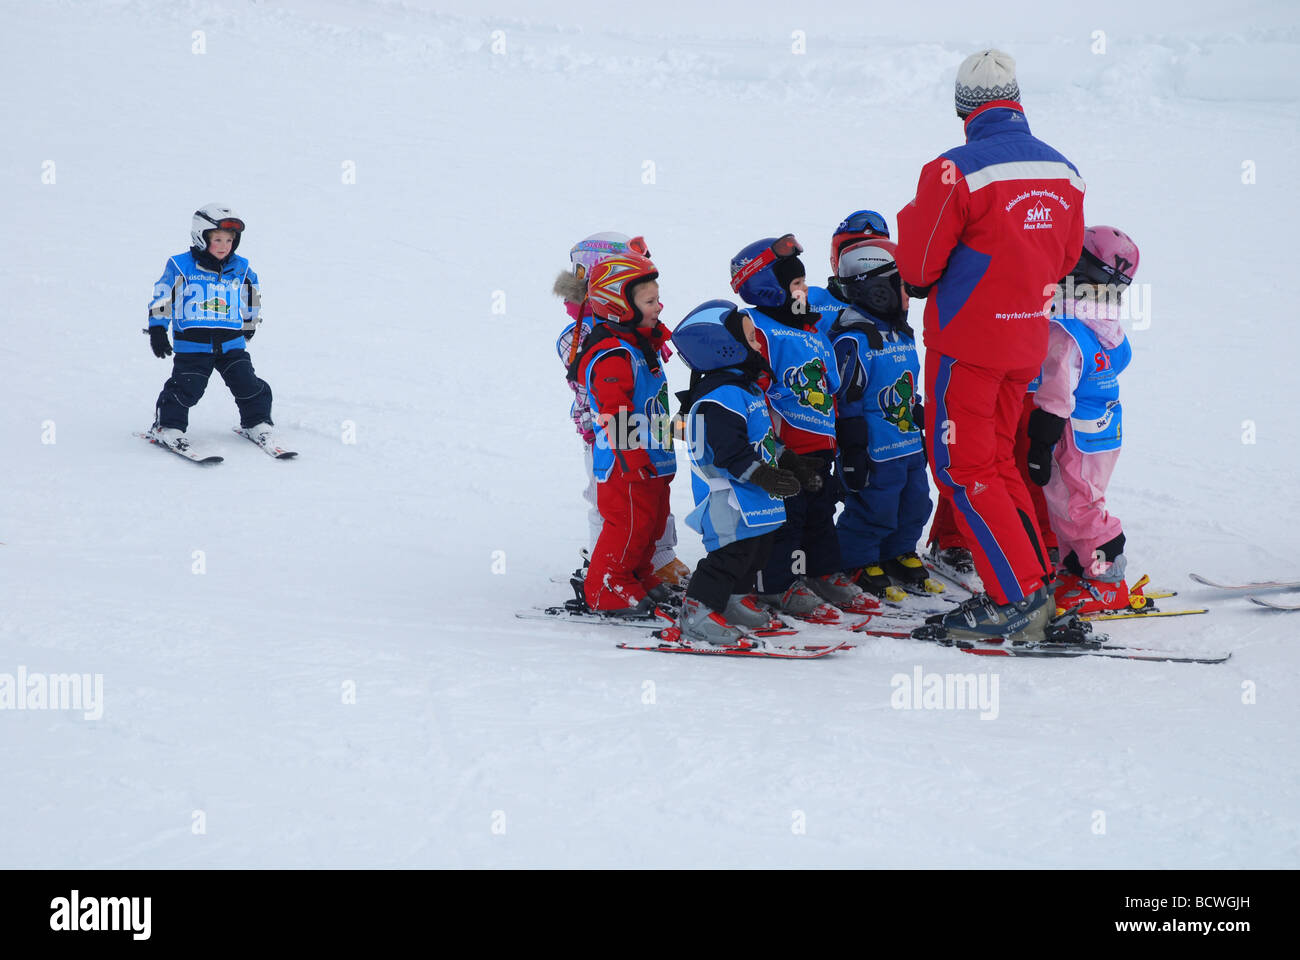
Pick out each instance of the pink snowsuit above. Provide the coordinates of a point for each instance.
(1076, 492)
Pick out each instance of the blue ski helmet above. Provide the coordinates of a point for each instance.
(756, 272)
(703, 340)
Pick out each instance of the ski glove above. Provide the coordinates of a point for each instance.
(1044, 431)
(774, 480)
(855, 465)
(919, 293)
(806, 469)
(162, 348)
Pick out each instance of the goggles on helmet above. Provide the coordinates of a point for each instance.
(782, 248)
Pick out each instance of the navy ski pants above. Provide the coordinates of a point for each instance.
(806, 543)
(885, 519)
(190, 373)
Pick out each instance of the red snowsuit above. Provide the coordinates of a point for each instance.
(632, 500)
(994, 226)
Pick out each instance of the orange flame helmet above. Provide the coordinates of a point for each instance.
(610, 283)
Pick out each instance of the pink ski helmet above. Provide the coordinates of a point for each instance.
(1109, 257)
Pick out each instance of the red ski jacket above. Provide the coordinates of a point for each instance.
(995, 225)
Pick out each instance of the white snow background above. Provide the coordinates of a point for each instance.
(477, 739)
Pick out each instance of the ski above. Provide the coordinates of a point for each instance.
(272, 450)
(1274, 605)
(755, 647)
(1257, 585)
(1044, 648)
(1144, 613)
(187, 453)
(564, 614)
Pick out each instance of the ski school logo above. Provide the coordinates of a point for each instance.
(810, 385)
(657, 416)
(896, 402)
(215, 305)
(1101, 360)
(1038, 217)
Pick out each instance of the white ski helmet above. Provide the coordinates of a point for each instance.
(215, 216)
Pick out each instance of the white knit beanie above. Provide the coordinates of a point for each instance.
(983, 77)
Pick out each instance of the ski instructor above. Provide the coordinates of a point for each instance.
(995, 224)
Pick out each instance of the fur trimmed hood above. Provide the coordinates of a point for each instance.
(570, 288)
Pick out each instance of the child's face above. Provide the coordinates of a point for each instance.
(220, 242)
(646, 299)
(751, 337)
(799, 289)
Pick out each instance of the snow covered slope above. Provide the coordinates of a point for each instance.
(344, 682)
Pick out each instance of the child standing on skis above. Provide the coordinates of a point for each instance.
(209, 297)
(737, 485)
(571, 286)
(633, 460)
(805, 568)
(882, 458)
(1075, 431)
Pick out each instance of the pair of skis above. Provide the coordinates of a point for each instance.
(186, 450)
(1254, 586)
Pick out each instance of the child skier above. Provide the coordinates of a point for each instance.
(571, 286)
(805, 566)
(882, 458)
(209, 297)
(632, 458)
(737, 485)
(857, 226)
(1075, 430)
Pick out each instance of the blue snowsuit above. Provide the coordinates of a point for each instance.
(881, 457)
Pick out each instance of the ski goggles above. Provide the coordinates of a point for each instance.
(1092, 269)
(782, 248)
(225, 223)
(864, 222)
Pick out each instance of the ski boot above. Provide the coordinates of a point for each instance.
(260, 434)
(799, 601)
(955, 559)
(698, 624)
(1086, 596)
(839, 590)
(674, 573)
(667, 596)
(981, 619)
(644, 609)
(744, 610)
(908, 572)
(873, 579)
(170, 437)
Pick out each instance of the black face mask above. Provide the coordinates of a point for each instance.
(880, 296)
(753, 364)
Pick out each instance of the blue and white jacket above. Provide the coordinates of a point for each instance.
(209, 310)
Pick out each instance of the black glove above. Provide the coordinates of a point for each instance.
(920, 293)
(774, 480)
(162, 348)
(1044, 430)
(248, 334)
(807, 469)
(918, 414)
(855, 465)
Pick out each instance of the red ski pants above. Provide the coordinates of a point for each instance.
(944, 529)
(634, 514)
(972, 417)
